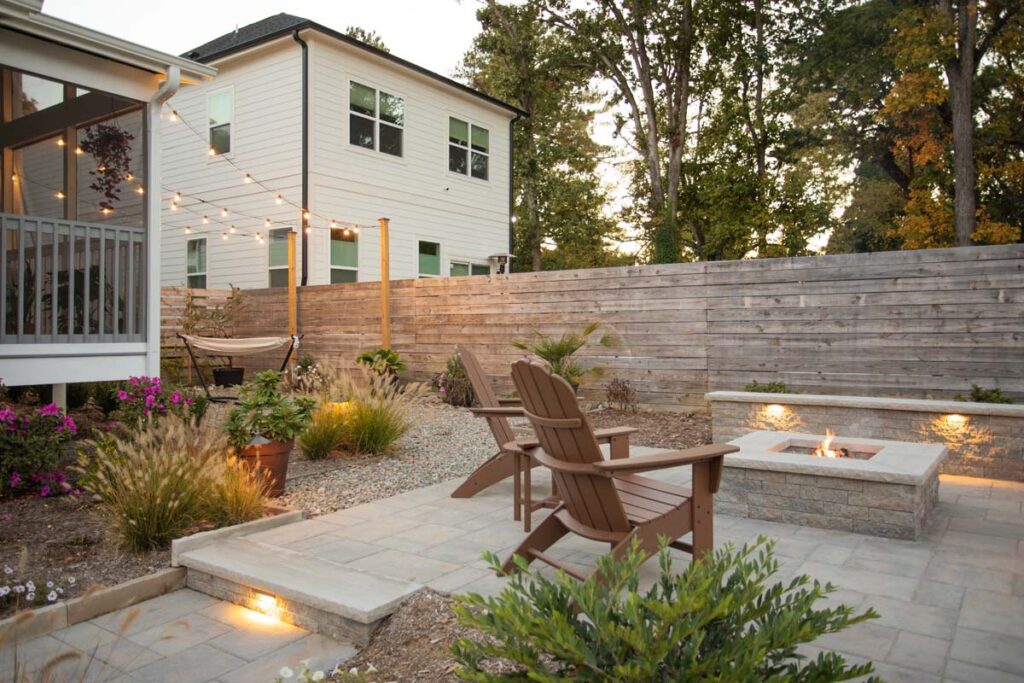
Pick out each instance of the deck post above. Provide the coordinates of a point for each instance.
(293, 295)
(385, 285)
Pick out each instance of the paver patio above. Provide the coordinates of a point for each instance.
(951, 604)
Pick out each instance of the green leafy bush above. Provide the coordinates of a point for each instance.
(453, 384)
(769, 388)
(104, 395)
(167, 479)
(264, 410)
(559, 352)
(718, 620)
(382, 361)
(326, 430)
(982, 395)
(78, 395)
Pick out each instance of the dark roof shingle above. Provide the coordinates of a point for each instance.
(246, 34)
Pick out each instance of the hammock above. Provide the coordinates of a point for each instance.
(234, 347)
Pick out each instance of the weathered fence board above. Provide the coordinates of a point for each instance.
(921, 323)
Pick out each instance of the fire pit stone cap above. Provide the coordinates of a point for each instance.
(913, 405)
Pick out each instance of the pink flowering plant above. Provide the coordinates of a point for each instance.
(453, 384)
(31, 445)
(146, 398)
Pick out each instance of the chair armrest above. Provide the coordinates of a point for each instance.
(510, 401)
(611, 432)
(642, 463)
(497, 412)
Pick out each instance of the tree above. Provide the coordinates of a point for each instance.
(559, 207)
(370, 37)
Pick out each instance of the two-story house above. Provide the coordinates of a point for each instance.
(310, 130)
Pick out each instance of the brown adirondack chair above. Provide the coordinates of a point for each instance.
(604, 500)
(511, 456)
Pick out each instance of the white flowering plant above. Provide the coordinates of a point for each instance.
(18, 592)
(338, 675)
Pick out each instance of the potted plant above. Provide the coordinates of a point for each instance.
(558, 352)
(263, 425)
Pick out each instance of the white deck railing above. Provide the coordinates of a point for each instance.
(65, 281)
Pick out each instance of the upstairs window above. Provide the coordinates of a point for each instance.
(195, 263)
(221, 108)
(344, 256)
(469, 149)
(278, 260)
(376, 119)
(430, 259)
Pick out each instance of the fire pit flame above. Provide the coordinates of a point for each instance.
(825, 450)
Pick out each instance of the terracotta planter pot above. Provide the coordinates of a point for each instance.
(272, 458)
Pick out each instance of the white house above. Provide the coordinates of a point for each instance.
(303, 117)
(79, 214)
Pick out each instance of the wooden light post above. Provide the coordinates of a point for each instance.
(385, 285)
(293, 295)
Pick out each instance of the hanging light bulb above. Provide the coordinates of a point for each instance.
(224, 213)
(231, 229)
(177, 196)
(258, 238)
(61, 142)
(173, 116)
(279, 199)
(309, 231)
(188, 229)
(355, 230)
(224, 236)
(78, 151)
(213, 152)
(267, 223)
(333, 225)
(174, 205)
(14, 177)
(101, 168)
(346, 232)
(139, 190)
(206, 219)
(60, 195)
(247, 178)
(306, 215)
(129, 176)
(105, 211)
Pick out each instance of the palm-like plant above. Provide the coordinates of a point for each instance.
(558, 352)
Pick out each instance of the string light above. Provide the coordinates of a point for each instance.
(279, 199)
(306, 215)
(78, 151)
(333, 225)
(61, 142)
(140, 190)
(309, 230)
(224, 236)
(188, 229)
(247, 178)
(14, 177)
(173, 116)
(355, 230)
(59, 195)
(224, 212)
(213, 152)
(231, 229)
(129, 176)
(267, 223)
(177, 196)
(106, 211)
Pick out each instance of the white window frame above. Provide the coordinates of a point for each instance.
(377, 122)
(331, 267)
(470, 263)
(469, 149)
(206, 272)
(440, 257)
(270, 241)
(231, 121)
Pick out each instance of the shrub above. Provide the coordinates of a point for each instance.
(453, 384)
(31, 443)
(982, 395)
(559, 352)
(78, 395)
(169, 478)
(717, 620)
(384, 362)
(142, 398)
(104, 395)
(307, 375)
(264, 410)
(621, 394)
(769, 388)
(326, 430)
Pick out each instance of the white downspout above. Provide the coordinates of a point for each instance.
(166, 90)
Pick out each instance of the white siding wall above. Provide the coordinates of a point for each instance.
(266, 141)
(469, 217)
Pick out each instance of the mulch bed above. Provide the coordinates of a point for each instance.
(658, 429)
(51, 539)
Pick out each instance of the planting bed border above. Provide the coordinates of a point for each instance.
(49, 618)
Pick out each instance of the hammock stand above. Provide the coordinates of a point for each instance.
(235, 347)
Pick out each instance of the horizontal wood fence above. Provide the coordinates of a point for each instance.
(923, 324)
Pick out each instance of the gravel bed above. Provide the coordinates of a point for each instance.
(445, 443)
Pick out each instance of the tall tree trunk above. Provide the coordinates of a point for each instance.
(758, 130)
(960, 76)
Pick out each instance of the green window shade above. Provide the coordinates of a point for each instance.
(278, 244)
(341, 276)
(430, 258)
(220, 109)
(392, 109)
(480, 269)
(279, 277)
(344, 251)
(195, 253)
(362, 99)
(458, 132)
(459, 269)
(481, 139)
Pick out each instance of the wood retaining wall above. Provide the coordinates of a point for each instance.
(923, 324)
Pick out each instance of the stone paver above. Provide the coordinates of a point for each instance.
(187, 638)
(952, 603)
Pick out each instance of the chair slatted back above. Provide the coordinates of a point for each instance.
(565, 433)
(484, 393)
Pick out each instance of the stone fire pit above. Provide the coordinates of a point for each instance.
(887, 488)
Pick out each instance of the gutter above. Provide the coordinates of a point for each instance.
(305, 156)
(168, 88)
